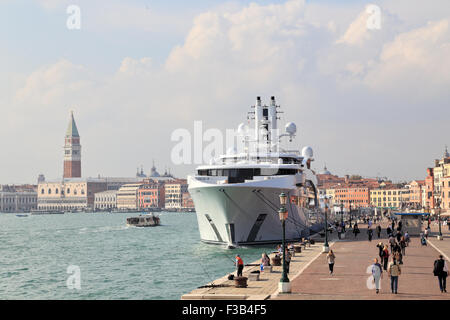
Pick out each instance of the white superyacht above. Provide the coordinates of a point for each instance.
(236, 196)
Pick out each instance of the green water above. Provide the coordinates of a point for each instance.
(115, 261)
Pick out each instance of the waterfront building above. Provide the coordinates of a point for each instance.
(69, 194)
(105, 200)
(16, 200)
(387, 197)
(127, 196)
(174, 193)
(151, 194)
(446, 193)
(114, 183)
(415, 193)
(354, 196)
(428, 191)
(187, 202)
(72, 151)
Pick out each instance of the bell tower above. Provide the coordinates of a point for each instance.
(72, 151)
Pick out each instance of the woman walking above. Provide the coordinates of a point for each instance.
(385, 257)
(377, 273)
(330, 259)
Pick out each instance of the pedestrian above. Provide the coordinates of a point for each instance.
(356, 230)
(394, 271)
(343, 226)
(402, 244)
(380, 247)
(239, 266)
(398, 236)
(426, 233)
(423, 241)
(385, 257)
(392, 243)
(288, 260)
(330, 259)
(369, 233)
(339, 231)
(378, 231)
(400, 225)
(265, 260)
(441, 271)
(388, 231)
(377, 273)
(407, 238)
(398, 255)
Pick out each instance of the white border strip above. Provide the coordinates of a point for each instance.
(437, 249)
(275, 293)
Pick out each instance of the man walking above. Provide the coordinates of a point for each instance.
(239, 265)
(369, 233)
(394, 271)
(379, 231)
(440, 270)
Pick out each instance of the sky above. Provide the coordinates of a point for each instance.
(368, 92)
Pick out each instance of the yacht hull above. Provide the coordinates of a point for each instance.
(247, 213)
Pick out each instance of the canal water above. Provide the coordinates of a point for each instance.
(43, 256)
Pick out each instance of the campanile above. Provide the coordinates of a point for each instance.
(72, 151)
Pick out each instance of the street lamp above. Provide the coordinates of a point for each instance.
(325, 245)
(342, 214)
(350, 213)
(438, 203)
(284, 285)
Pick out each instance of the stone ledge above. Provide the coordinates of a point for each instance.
(214, 297)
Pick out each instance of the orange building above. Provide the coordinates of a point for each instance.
(356, 196)
(151, 194)
(428, 198)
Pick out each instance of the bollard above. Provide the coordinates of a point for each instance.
(240, 282)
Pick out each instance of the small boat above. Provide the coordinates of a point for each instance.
(144, 220)
(21, 215)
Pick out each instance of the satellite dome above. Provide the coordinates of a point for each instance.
(231, 151)
(291, 128)
(307, 152)
(242, 128)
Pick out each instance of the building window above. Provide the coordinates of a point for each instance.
(56, 190)
(49, 191)
(68, 190)
(42, 191)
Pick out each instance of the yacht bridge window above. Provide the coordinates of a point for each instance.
(239, 175)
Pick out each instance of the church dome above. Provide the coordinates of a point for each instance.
(325, 170)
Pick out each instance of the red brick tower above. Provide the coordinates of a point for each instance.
(72, 151)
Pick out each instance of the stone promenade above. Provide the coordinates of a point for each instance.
(350, 279)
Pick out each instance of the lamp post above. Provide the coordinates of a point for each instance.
(326, 247)
(439, 219)
(350, 214)
(284, 285)
(342, 213)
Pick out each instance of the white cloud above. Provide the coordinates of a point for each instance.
(332, 76)
(415, 61)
